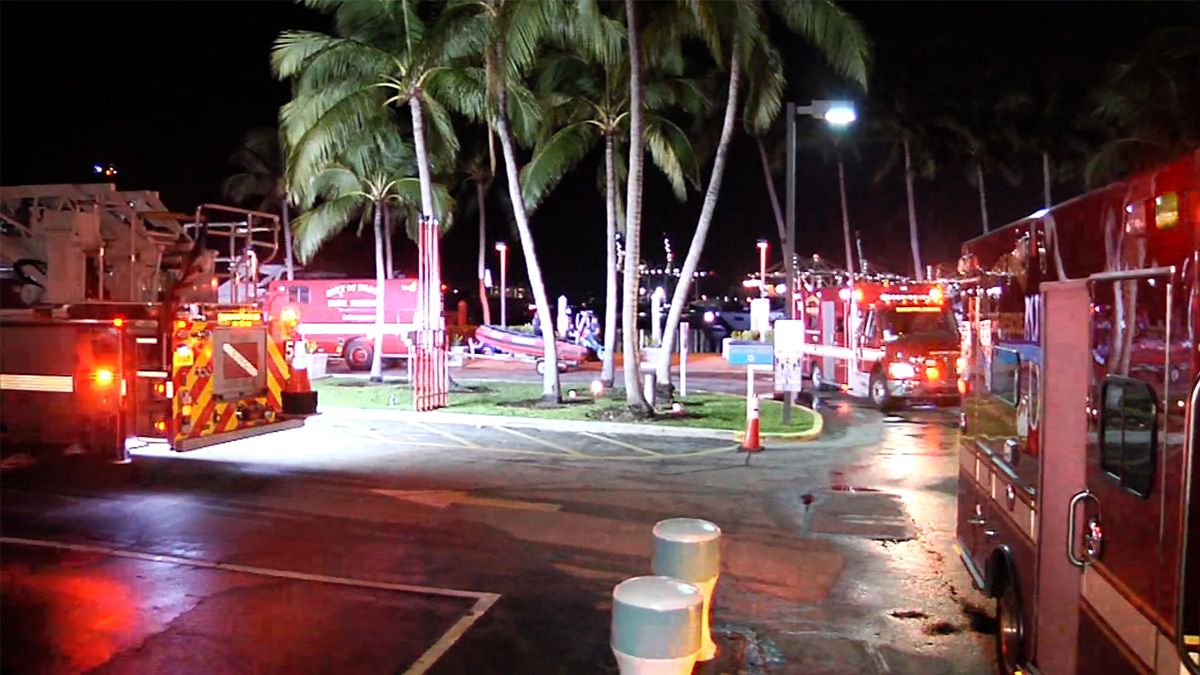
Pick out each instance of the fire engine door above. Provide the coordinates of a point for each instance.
(1126, 557)
(1063, 454)
(829, 337)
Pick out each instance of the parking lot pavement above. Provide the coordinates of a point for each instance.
(74, 608)
(383, 433)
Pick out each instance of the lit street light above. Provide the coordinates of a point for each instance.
(503, 249)
(837, 114)
(762, 268)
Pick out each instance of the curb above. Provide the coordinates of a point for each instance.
(548, 424)
(800, 436)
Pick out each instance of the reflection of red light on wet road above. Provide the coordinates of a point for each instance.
(87, 618)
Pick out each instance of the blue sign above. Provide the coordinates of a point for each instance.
(750, 354)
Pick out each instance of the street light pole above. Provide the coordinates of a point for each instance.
(762, 268)
(835, 113)
(503, 249)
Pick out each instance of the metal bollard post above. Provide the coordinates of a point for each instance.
(656, 626)
(689, 549)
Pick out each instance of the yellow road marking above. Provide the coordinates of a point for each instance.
(535, 439)
(446, 434)
(623, 444)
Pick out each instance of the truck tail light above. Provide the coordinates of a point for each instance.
(901, 371)
(290, 316)
(933, 373)
(103, 377)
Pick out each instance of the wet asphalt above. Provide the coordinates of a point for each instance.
(367, 544)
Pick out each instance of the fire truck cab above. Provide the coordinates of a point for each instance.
(1077, 505)
(893, 341)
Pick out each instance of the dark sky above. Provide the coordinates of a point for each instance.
(164, 90)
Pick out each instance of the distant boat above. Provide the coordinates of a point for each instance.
(528, 344)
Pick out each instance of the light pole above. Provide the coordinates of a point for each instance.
(836, 114)
(503, 249)
(762, 268)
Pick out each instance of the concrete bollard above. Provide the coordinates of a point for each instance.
(656, 626)
(689, 549)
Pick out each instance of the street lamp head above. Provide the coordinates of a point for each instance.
(840, 114)
(501, 246)
(762, 243)
(835, 113)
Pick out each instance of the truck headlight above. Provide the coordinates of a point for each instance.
(710, 316)
(899, 370)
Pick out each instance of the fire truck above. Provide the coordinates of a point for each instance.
(110, 332)
(892, 340)
(337, 316)
(1078, 466)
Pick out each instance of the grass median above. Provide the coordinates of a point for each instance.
(518, 399)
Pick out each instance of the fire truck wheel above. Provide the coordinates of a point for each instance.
(358, 354)
(1010, 629)
(879, 393)
(540, 366)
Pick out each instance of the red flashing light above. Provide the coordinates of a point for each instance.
(180, 324)
(858, 295)
(103, 377)
(118, 322)
(160, 426)
(936, 295)
(933, 373)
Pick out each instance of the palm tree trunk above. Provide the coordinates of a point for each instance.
(288, 265)
(607, 374)
(633, 216)
(1046, 177)
(426, 178)
(377, 352)
(914, 239)
(766, 167)
(679, 297)
(481, 196)
(387, 244)
(550, 385)
(983, 214)
(845, 213)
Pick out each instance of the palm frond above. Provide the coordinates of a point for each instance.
(833, 32)
(318, 225)
(671, 151)
(554, 159)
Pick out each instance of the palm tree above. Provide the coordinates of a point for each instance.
(740, 31)
(261, 182)
(588, 102)
(986, 139)
(902, 124)
(504, 37)
(360, 186)
(1147, 106)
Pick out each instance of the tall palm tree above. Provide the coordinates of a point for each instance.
(261, 182)
(492, 45)
(587, 103)
(986, 139)
(359, 186)
(902, 124)
(739, 32)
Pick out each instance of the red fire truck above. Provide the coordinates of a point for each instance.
(110, 330)
(1078, 449)
(337, 316)
(903, 343)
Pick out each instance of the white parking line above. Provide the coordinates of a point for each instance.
(483, 601)
(446, 434)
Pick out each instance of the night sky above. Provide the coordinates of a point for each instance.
(165, 90)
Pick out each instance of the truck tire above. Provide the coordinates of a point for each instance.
(879, 392)
(358, 354)
(1010, 628)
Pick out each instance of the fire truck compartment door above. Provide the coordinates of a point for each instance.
(1131, 456)
(239, 362)
(1063, 463)
(829, 337)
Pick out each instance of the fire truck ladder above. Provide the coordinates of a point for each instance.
(243, 246)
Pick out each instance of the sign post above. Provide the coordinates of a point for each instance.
(789, 361)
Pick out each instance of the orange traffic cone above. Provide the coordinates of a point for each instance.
(750, 443)
(298, 396)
